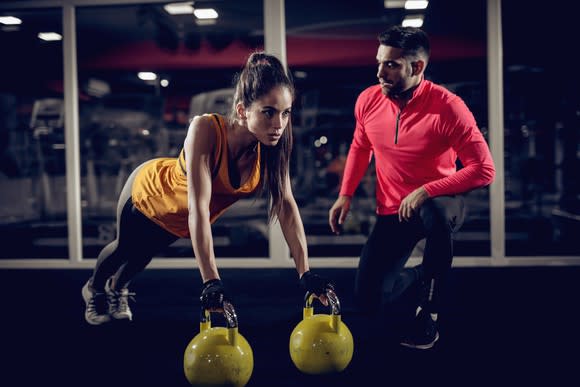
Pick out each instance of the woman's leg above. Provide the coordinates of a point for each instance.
(110, 258)
(138, 240)
(151, 239)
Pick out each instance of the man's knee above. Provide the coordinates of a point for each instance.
(443, 213)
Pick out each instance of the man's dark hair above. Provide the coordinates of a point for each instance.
(413, 41)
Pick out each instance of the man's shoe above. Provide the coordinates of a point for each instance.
(96, 306)
(119, 302)
(423, 333)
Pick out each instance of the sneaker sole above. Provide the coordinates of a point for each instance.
(122, 317)
(421, 346)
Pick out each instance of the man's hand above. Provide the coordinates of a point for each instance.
(338, 212)
(411, 204)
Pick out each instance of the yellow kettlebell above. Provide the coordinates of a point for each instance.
(321, 343)
(218, 356)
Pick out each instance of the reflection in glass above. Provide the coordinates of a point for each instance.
(32, 176)
(542, 142)
(333, 57)
(144, 77)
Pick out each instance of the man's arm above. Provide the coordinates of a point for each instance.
(473, 152)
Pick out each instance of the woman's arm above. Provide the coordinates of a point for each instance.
(199, 145)
(293, 230)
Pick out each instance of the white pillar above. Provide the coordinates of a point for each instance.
(275, 44)
(496, 128)
(72, 134)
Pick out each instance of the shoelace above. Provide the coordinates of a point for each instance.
(120, 300)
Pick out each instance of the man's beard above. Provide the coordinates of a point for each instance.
(395, 91)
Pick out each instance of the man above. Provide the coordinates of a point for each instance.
(416, 131)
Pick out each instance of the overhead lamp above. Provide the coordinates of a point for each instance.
(413, 21)
(394, 3)
(416, 4)
(97, 88)
(10, 20)
(147, 76)
(205, 22)
(49, 36)
(185, 8)
(205, 13)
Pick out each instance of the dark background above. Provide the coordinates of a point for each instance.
(501, 327)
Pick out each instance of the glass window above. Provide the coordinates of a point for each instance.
(542, 142)
(144, 74)
(32, 163)
(333, 58)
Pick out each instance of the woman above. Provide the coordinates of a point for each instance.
(222, 160)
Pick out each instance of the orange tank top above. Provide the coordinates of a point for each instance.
(160, 187)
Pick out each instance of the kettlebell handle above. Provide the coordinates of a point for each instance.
(228, 311)
(332, 298)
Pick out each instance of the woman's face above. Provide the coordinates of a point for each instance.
(267, 117)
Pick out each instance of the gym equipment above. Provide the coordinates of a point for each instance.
(321, 343)
(47, 125)
(218, 356)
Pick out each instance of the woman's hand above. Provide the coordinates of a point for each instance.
(317, 285)
(213, 295)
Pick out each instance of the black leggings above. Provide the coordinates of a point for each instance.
(381, 279)
(138, 240)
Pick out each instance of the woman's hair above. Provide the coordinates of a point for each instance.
(262, 73)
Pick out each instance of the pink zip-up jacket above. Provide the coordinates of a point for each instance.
(416, 146)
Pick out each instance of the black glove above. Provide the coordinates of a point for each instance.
(213, 294)
(315, 284)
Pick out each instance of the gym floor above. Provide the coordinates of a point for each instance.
(504, 326)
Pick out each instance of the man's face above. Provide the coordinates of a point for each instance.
(395, 72)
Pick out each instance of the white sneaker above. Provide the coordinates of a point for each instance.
(96, 306)
(119, 302)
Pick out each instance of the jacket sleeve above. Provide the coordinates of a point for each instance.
(472, 151)
(359, 153)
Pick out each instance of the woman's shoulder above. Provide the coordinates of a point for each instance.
(204, 128)
(207, 121)
(201, 121)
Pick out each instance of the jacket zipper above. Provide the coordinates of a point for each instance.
(397, 127)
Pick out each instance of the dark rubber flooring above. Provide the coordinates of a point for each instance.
(504, 326)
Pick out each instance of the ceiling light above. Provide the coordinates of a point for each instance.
(49, 36)
(413, 21)
(10, 20)
(394, 3)
(416, 4)
(179, 8)
(205, 13)
(147, 76)
(205, 22)
(97, 88)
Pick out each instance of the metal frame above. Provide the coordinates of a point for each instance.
(275, 42)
